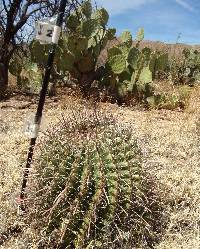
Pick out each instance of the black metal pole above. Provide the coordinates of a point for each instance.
(38, 115)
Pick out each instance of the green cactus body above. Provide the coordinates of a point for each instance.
(15, 68)
(80, 46)
(140, 35)
(30, 78)
(96, 52)
(143, 83)
(133, 57)
(126, 75)
(86, 8)
(101, 16)
(145, 76)
(161, 62)
(111, 174)
(92, 42)
(89, 27)
(110, 33)
(76, 44)
(152, 63)
(39, 52)
(126, 38)
(114, 51)
(159, 101)
(100, 34)
(117, 64)
(66, 62)
(125, 49)
(124, 88)
(72, 22)
(158, 62)
(146, 52)
(90, 175)
(134, 77)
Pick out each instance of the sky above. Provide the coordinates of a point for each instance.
(163, 20)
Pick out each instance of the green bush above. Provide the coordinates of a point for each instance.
(28, 75)
(171, 100)
(90, 190)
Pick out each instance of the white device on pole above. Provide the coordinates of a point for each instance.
(47, 32)
(31, 129)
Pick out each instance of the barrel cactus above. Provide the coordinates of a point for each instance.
(90, 187)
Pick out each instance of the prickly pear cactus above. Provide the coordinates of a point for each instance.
(133, 57)
(159, 62)
(124, 88)
(76, 44)
(162, 62)
(84, 42)
(86, 8)
(130, 67)
(114, 51)
(28, 74)
(31, 77)
(15, 67)
(140, 35)
(66, 62)
(39, 52)
(89, 184)
(72, 22)
(126, 38)
(189, 68)
(80, 46)
(101, 16)
(110, 33)
(89, 27)
(117, 64)
(145, 76)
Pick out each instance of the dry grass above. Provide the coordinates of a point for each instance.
(170, 143)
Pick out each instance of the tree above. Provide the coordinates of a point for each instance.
(16, 26)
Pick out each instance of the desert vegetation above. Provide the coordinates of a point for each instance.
(121, 69)
(116, 162)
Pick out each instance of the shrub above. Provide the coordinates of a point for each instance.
(178, 98)
(90, 190)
